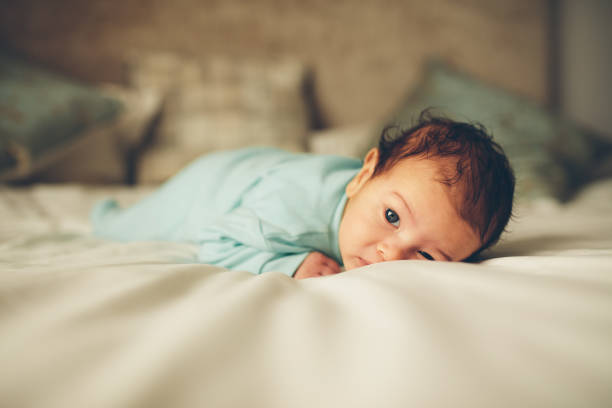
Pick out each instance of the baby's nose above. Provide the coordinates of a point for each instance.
(391, 252)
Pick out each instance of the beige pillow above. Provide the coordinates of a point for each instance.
(219, 104)
(349, 141)
(101, 156)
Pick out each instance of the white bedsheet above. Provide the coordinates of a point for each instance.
(89, 323)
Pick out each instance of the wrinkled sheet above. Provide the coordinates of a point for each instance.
(85, 322)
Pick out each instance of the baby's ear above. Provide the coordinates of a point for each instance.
(365, 173)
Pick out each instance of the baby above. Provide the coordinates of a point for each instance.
(439, 191)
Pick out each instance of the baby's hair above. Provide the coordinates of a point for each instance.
(482, 167)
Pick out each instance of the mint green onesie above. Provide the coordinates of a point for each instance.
(254, 209)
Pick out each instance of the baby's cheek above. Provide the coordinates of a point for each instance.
(366, 229)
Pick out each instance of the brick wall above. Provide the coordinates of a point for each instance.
(365, 54)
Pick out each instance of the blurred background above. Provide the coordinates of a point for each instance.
(342, 65)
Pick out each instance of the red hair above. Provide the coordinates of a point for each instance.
(482, 169)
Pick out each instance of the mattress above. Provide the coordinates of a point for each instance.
(88, 322)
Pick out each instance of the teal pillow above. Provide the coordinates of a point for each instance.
(42, 114)
(549, 154)
(7, 161)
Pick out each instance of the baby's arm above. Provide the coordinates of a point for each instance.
(242, 240)
(232, 254)
(316, 264)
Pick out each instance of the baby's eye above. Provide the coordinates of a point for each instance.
(392, 217)
(426, 256)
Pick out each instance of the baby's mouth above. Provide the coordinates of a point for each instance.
(362, 262)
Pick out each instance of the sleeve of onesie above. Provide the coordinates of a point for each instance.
(244, 241)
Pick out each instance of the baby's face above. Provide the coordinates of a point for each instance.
(404, 213)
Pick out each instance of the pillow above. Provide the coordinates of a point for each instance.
(349, 141)
(42, 114)
(103, 156)
(7, 160)
(220, 103)
(549, 154)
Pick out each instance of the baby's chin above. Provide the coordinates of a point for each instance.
(347, 264)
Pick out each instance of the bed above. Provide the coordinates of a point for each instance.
(88, 322)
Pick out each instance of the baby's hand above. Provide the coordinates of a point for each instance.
(316, 264)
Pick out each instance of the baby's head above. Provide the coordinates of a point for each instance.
(441, 190)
